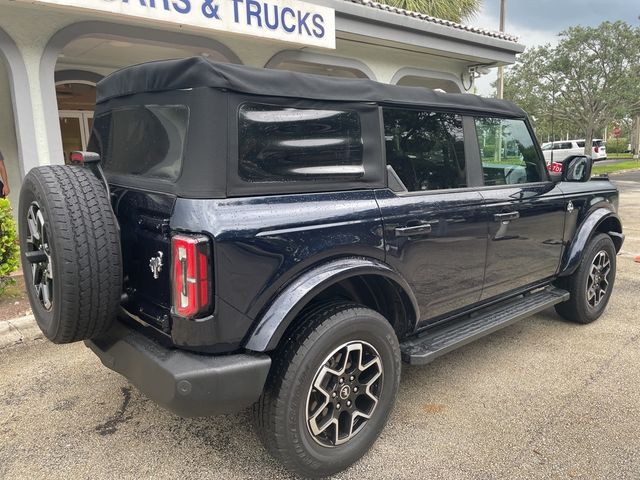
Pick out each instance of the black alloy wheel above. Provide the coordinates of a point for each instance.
(345, 393)
(330, 390)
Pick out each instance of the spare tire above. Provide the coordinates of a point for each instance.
(70, 250)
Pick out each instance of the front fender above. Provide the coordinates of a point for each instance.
(573, 253)
(288, 304)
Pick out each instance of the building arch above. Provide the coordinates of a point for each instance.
(93, 28)
(428, 78)
(77, 76)
(21, 103)
(330, 63)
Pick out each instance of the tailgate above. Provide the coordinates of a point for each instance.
(146, 250)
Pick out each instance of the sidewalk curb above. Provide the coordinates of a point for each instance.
(19, 330)
(620, 172)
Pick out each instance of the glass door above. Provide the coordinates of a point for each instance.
(75, 127)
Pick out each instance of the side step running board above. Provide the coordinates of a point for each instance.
(437, 341)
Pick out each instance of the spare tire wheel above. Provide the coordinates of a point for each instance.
(70, 251)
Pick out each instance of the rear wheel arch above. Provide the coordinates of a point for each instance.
(367, 282)
(377, 292)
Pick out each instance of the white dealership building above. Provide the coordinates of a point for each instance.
(52, 53)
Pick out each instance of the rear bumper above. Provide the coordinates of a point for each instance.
(185, 383)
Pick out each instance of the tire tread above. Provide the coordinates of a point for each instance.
(85, 233)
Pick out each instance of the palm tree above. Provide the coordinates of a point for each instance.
(454, 10)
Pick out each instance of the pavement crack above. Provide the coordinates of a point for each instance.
(11, 325)
(111, 425)
(594, 376)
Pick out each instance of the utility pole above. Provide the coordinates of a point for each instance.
(635, 142)
(501, 68)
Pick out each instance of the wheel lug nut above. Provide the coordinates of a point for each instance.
(333, 395)
(351, 378)
(348, 403)
(338, 406)
(355, 389)
(341, 380)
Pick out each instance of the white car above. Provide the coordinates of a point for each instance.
(563, 148)
(599, 149)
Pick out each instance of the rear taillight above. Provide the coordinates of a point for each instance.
(192, 279)
(596, 149)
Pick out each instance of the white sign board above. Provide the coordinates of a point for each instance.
(285, 20)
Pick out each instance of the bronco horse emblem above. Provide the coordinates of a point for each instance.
(155, 264)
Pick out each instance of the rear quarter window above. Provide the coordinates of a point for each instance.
(143, 140)
(284, 144)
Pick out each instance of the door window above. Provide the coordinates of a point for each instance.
(508, 152)
(425, 149)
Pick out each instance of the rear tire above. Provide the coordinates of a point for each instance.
(66, 221)
(302, 395)
(591, 284)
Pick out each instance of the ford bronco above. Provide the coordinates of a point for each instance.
(239, 237)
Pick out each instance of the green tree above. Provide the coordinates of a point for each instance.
(454, 10)
(581, 85)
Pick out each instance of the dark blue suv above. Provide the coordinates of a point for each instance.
(239, 237)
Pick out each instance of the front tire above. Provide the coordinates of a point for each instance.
(591, 284)
(330, 390)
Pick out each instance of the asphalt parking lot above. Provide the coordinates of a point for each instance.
(541, 399)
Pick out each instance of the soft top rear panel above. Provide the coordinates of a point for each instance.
(204, 156)
(198, 72)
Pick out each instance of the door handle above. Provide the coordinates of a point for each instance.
(505, 217)
(423, 229)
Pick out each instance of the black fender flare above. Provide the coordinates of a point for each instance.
(573, 254)
(283, 310)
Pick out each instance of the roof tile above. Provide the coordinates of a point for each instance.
(439, 21)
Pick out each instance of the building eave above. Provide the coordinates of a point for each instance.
(361, 18)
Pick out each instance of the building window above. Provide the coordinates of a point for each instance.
(76, 102)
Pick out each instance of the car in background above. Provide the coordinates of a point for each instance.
(598, 148)
(564, 148)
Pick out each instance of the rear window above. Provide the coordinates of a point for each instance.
(598, 143)
(145, 140)
(279, 144)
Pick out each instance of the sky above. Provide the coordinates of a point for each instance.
(537, 22)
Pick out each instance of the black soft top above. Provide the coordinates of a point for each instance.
(197, 72)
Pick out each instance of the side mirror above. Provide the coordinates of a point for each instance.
(576, 168)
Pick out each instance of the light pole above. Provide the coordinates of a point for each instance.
(501, 68)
